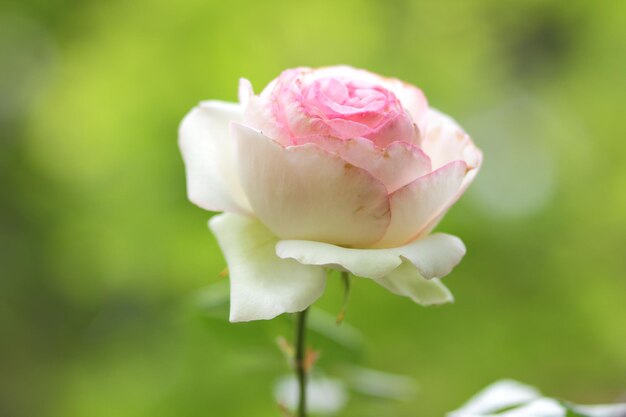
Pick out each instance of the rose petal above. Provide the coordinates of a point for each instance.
(259, 115)
(395, 166)
(345, 129)
(407, 281)
(445, 141)
(433, 256)
(304, 192)
(367, 263)
(245, 91)
(418, 203)
(208, 151)
(398, 128)
(467, 180)
(262, 285)
(412, 99)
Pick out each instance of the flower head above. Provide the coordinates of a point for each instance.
(328, 168)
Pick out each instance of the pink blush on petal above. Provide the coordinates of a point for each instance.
(304, 103)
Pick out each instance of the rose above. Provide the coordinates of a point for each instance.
(329, 168)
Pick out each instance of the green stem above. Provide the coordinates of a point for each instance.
(301, 372)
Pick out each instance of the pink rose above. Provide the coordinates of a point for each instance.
(328, 168)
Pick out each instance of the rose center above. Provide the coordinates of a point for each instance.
(331, 98)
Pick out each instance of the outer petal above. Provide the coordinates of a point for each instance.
(304, 192)
(408, 282)
(415, 205)
(368, 263)
(395, 166)
(259, 115)
(263, 285)
(467, 180)
(245, 92)
(208, 152)
(432, 257)
(445, 141)
(411, 270)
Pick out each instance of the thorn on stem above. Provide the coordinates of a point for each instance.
(310, 359)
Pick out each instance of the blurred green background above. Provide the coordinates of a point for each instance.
(104, 306)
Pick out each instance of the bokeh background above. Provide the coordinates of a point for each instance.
(111, 300)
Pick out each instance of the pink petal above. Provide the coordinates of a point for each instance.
(345, 129)
(395, 166)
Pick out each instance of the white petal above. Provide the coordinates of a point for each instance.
(411, 270)
(499, 395)
(245, 92)
(367, 263)
(263, 285)
(434, 256)
(208, 151)
(415, 205)
(304, 192)
(259, 116)
(445, 141)
(408, 282)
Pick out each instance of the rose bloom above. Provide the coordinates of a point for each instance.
(331, 168)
